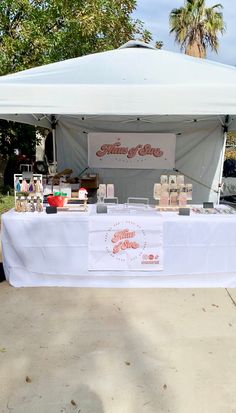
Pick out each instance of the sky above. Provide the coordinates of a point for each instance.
(155, 15)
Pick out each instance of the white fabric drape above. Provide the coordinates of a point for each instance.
(198, 154)
(53, 250)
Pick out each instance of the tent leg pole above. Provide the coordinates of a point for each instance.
(221, 168)
(54, 149)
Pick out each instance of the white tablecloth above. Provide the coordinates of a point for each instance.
(41, 249)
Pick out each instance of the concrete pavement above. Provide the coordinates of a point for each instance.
(68, 350)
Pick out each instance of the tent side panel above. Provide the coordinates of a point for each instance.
(198, 156)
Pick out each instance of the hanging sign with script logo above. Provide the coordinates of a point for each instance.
(131, 150)
(125, 243)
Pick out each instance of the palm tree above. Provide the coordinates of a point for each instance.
(196, 27)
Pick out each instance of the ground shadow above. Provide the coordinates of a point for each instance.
(88, 401)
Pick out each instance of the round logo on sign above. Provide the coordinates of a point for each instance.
(125, 241)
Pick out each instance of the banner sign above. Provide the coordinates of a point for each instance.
(131, 150)
(125, 243)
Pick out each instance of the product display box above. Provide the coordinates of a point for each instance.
(172, 191)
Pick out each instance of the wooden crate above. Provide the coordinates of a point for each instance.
(89, 181)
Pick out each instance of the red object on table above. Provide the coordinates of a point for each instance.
(57, 200)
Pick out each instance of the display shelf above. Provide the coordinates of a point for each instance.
(28, 192)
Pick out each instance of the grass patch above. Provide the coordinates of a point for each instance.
(6, 203)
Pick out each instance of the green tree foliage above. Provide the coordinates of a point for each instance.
(231, 139)
(17, 136)
(196, 27)
(230, 152)
(37, 32)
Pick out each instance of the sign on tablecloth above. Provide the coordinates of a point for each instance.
(125, 243)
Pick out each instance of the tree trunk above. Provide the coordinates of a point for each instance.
(3, 164)
(196, 50)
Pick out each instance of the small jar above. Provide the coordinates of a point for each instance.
(18, 205)
(23, 204)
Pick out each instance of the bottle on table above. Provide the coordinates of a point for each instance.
(39, 206)
(32, 207)
(23, 204)
(18, 205)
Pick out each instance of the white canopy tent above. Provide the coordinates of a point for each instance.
(132, 89)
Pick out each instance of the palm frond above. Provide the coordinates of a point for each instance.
(196, 27)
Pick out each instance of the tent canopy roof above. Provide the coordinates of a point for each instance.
(135, 79)
(128, 65)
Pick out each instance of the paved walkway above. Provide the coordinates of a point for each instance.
(117, 351)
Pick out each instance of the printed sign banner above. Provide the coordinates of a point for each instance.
(125, 243)
(131, 150)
